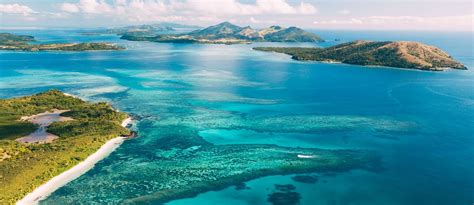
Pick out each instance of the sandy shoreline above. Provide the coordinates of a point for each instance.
(69, 175)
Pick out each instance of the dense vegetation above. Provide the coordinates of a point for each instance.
(83, 47)
(11, 128)
(159, 38)
(141, 30)
(63, 47)
(292, 34)
(227, 33)
(10, 41)
(145, 30)
(24, 167)
(393, 54)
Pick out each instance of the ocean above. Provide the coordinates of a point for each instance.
(419, 123)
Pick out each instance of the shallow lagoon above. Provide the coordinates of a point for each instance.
(419, 122)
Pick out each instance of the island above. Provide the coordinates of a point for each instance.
(43, 135)
(15, 42)
(143, 30)
(228, 33)
(399, 54)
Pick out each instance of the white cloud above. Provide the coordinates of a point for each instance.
(152, 10)
(16, 9)
(463, 22)
(344, 12)
(24, 12)
(71, 8)
(306, 8)
(281, 7)
(96, 6)
(258, 21)
(339, 22)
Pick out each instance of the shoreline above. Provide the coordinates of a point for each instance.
(46, 189)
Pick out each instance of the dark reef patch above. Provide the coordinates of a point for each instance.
(308, 179)
(241, 186)
(284, 198)
(284, 195)
(285, 187)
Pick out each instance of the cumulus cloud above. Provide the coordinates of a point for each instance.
(151, 10)
(71, 8)
(462, 22)
(258, 21)
(23, 12)
(16, 9)
(344, 12)
(339, 22)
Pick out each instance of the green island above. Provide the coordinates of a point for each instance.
(25, 166)
(143, 30)
(228, 33)
(400, 54)
(15, 42)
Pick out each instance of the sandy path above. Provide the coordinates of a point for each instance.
(43, 120)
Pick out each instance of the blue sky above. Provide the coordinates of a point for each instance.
(321, 14)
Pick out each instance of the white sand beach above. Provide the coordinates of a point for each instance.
(57, 182)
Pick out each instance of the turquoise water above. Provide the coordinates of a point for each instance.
(420, 123)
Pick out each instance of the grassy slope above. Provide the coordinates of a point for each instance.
(30, 165)
(10, 41)
(65, 47)
(10, 128)
(227, 33)
(385, 53)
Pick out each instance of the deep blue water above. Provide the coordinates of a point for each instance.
(432, 162)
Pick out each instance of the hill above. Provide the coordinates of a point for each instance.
(12, 39)
(15, 42)
(291, 34)
(229, 33)
(143, 30)
(401, 54)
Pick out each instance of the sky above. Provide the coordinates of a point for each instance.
(443, 15)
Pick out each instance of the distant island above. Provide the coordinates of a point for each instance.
(400, 54)
(227, 33)
(15, 42)
(140, 30)
(45, 134)
(144, 30)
